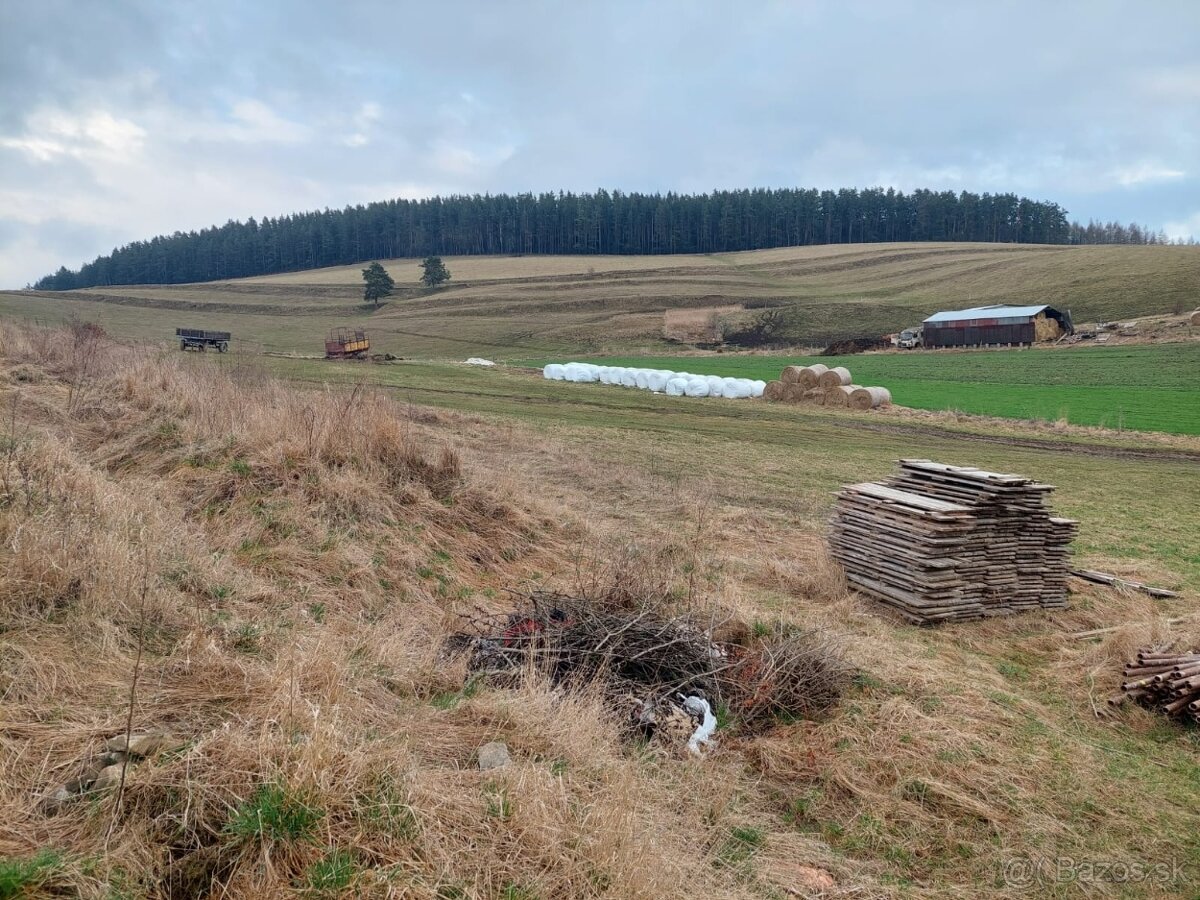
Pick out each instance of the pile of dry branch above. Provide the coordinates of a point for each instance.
(653, 657)
(823, 386)
(1165, 680)
(940, 542)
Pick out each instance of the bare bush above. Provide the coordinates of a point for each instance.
(639, 651)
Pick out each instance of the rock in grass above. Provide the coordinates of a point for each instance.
(109, 777)
(146, 743)
(493, 756)
(56, 799)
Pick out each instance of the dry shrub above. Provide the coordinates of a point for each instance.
(647, 654)
(578, 642)
(786, 676)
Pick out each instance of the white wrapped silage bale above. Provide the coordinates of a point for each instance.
(758, 388)
(642, 379)
(553, 372)
(628, 379)
(676, 387)
(716, 386)
(735, 388)
(656, 381)
(697, 387)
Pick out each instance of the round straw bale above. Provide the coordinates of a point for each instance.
(773, 390)
(834, 377)
(815, 395)
(793, 393)
(790, 374)
(838, 396)
(1195, 319)
(810, 376)
(869, 397)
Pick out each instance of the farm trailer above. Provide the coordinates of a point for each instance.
(346, 343)
(199, 339)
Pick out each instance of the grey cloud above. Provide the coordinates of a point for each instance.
(256, 109)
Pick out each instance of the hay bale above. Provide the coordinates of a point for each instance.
(1195, 319)
(790, 374)
(815, 395)
(838, 396)
(793, 393)
(835, 377)
(1046, 329)
(810, 376)
(869, 397)
(774, 391)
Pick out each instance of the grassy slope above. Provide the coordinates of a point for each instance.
(526, 306)
(279, 645)
(1149, 388)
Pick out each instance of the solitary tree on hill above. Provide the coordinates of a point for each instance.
(378, 285)
(435, 271)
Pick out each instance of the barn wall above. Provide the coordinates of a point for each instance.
(973, 335)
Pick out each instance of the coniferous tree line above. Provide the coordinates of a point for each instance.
(604, 222)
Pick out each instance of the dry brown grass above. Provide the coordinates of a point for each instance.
(308, 551)
(546, 306)
(305, 553)
(696, 326)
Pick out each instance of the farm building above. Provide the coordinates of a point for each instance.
(985, 325)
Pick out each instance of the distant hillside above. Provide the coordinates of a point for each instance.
(521, 307)
(599, 223)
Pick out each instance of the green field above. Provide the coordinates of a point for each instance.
(1144, 388)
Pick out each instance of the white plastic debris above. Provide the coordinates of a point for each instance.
(477, 361)
(698, 708)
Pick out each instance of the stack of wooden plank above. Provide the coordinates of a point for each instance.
(1168, 681)
(941, 542)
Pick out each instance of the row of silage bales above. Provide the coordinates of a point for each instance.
(822, 386)
(659, 381)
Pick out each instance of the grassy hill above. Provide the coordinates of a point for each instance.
(508, 307)
(269, 573)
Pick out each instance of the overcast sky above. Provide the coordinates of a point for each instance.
(128, 118)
